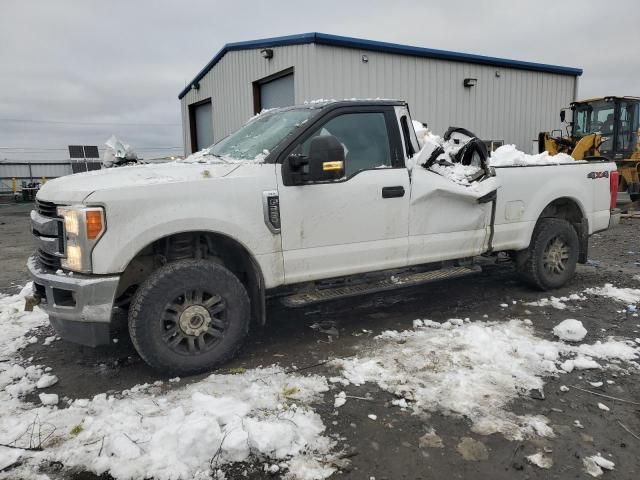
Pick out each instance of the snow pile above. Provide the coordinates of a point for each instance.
(16, 323)
(178, 434)
(457, 173)
(17, 380)
(429, 142)
(144, 432)
(625, 295)
(473, 369)
(570, 330)
(508, 155)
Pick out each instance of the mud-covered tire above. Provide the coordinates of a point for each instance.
(550, 261)
(189, 317)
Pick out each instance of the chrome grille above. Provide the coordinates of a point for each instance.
(49, 260)
(46, 226)
(47, 209)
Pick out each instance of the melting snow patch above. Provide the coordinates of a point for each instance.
(593, 465)
(9, 456)
(540, 460)
(262, 413)
(625, 295)
(474, 370)
(48, 398)
(46, 381)
(570, 330)
(176, 434)
(556, 302)
(603, 407)
(16, 323)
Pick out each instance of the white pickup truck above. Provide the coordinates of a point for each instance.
(308, 203)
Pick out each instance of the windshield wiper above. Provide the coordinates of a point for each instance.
(209, 152)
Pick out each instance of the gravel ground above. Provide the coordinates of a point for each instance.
(390, 448)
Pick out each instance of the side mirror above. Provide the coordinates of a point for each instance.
(562, 115)
(326, 159)
(293, 169)
(325, 162)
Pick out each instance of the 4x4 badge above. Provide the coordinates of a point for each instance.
(594, 175)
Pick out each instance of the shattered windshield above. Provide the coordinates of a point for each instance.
(259, 136)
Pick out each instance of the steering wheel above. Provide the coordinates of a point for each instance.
(596, 125)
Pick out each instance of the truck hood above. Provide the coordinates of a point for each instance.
(76, 188)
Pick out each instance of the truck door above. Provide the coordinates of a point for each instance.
(356, 223)
(448, 220)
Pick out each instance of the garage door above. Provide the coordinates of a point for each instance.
(203, 123)
(277, 93)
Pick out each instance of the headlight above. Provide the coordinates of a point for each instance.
(83, 227)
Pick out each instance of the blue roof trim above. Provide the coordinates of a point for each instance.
(376, 46)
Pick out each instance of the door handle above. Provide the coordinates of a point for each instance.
(393, 192)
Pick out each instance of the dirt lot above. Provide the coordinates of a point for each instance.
(390, 448)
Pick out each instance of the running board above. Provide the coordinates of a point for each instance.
(388, 283)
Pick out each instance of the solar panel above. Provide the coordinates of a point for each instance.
(76, 151)
(91, 151)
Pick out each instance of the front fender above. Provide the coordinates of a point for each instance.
(138, 216)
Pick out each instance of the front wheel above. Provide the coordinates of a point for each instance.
(550, 261)
(189, 317)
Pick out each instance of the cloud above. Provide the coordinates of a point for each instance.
(124, 62)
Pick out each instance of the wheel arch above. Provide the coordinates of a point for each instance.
(197, 244)
(569, 209)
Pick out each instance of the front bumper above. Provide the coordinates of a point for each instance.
(614, 217)
(79, 306)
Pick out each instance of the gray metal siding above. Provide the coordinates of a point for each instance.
(230, 85)
(513, 107)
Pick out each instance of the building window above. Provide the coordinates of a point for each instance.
(276, 90)
(201, 125)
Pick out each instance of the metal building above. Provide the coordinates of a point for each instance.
(498, 99)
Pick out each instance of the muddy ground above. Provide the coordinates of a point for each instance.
(389, 448)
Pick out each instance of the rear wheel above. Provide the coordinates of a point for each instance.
(550, 261)
(189, 316)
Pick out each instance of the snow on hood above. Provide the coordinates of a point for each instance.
(203, 156)
(75, 188)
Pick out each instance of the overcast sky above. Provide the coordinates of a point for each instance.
(75, 72)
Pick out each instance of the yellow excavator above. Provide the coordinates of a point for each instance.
(606, 127)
